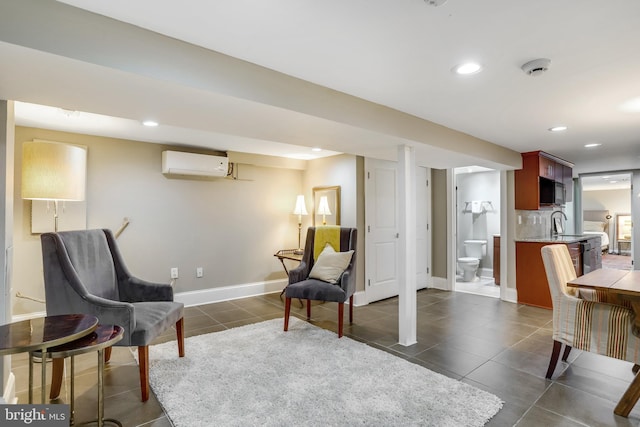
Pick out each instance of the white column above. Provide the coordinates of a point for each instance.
(407, 307)
(635, 218)
(7, 130)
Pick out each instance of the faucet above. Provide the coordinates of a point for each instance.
(554, 231)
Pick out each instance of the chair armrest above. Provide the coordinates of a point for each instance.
(348, 282)
(300, 273)
(109, 312)
(133, 289)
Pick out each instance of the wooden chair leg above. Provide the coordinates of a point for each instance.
(340, 318)
(57, 373)
(351, 309)
(180, 336)
(107, 354)
(143, 361)
(629, 398)
(308, 309)
(287, 311)
(555, 353)
(565, 355)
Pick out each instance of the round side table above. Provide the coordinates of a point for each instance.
(104, 336)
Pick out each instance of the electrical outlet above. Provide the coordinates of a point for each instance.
(199, 272)
(174, 272)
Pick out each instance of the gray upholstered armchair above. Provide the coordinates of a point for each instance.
(301, 286)
(84, 273)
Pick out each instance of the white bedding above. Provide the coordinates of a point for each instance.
(604, 237)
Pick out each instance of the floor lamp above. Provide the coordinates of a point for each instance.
(53, 171)
(300, 210)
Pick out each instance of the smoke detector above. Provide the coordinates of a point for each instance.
(536, 67)
(435, 3)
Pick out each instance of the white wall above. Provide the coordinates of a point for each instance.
(478, 186)
(230, 228)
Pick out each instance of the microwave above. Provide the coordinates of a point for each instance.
(551, 192)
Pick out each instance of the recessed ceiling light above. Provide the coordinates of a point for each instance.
(630, 106)
(316, 149)
(612, 182)
(558, 128)
(593, 144)
(467, 68)
(150, 123)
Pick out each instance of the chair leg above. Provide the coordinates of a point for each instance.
(180, 336)
(555, 353)
(565, 355)
(287, 310)
(340, 318)
(143, 361)
(308, 309)
(107, 354)
(351, 309)
(57, 373)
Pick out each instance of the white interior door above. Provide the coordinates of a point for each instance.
(381, 217)
(381, 240)
(423, 218)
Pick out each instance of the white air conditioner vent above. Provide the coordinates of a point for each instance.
(180, 163)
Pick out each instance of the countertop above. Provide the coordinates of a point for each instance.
(562, 238)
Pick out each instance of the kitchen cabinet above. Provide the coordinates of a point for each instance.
(531, 277)
(540, 180)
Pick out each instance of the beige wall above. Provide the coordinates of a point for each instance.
(347, 171)
(230, 228)
(440, 239)
(616, 201)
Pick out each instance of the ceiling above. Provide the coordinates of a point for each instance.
(396, 54)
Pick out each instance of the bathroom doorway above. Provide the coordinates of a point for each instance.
(477, 230)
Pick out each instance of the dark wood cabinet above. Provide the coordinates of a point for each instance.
(531, 277)
(539, 174)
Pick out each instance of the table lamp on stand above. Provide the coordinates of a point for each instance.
(323, 209)
(300, 210)
(53, 171)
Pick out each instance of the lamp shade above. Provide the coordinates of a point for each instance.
(323, 208)
(53, 171)
(300, 208)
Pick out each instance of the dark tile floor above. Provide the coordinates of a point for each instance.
(497, 346)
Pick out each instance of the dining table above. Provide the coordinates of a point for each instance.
(617, 287)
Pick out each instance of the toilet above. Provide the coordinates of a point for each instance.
(474, 250)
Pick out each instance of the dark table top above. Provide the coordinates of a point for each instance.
(44, 332)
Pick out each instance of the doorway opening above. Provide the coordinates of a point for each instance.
(606, 211)
(477, 230)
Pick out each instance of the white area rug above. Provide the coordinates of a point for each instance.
(258, 375)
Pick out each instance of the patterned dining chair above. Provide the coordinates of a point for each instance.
(596, 327)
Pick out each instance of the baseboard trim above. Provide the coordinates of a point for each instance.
(9, 395)
(226, 293)
(360, 299)
(511, 295)
(440, 283)
(28, 316)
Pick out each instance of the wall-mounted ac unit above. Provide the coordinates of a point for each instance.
(180, 163)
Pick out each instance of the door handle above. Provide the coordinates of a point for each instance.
(397, 235)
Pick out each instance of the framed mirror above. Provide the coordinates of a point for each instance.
(326, 205)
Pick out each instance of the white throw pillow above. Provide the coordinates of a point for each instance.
(330, 264)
